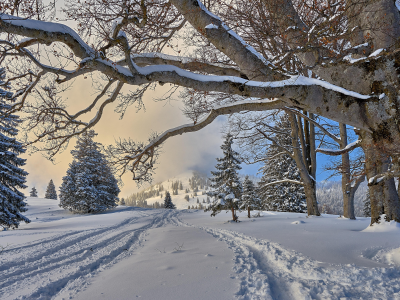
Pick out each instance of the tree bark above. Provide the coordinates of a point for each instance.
(248, 212)
(348, 194)
(309, 183)
(234, 218)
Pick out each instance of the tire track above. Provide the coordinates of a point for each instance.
(70, 268)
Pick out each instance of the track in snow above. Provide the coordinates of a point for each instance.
(266, 270)
(61, 265)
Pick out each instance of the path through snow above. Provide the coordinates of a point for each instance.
(63, 265)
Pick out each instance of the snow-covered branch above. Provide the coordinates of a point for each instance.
(348, 148)
(46, 33)
(382, 177)
(283, 181)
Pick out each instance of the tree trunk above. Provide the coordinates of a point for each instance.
(313, 153)
(348, 194)
(308, 182)
(384, 198)
(234, 218)
(248, 212)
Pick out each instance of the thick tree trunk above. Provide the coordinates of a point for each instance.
(384, 197)
(348, 194)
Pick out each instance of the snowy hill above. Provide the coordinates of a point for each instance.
(196, 193)
(131, 252)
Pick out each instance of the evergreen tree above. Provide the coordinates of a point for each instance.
(168, 201)
(51, 191)
(12, 176)
(122, 201)
(249, 200)
(280, 166)
(367, 205)
(89, 186)
(33, 192)
(225, 184)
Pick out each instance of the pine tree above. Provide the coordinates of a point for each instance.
(367, 205)
(168, 201)
(12, 176)
(122, 201)
(33, 192)
(89, 186)
(279, 166)
(51, 191)
(225, 184)
(249, 200)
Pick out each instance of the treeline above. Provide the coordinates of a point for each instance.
(330, 198)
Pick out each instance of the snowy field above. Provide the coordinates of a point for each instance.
(130, 253)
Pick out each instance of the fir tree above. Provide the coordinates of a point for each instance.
(367, 206)
(33, 192)
(89, 186)
(51, 191)
(122, 201)
(12, 176)
(249, 200)
(280, 166)
(225, 184)
(168, 201)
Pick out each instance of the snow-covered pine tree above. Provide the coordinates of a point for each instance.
(51, 191)
(12, 176)
(33, 192)
(367, 205)
(249, 199)
(225, 183)
(89, 186)
(168, 201)
(279, 166)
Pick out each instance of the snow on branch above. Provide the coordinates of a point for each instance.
(45, 32)
(226, 40)
(381, 178)
(283, 181)
(348, 148)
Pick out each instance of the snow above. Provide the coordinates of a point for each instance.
(352, 144)
(391, 226)
(376, 52)
(46, 26)
(211, 26)
(131, 252)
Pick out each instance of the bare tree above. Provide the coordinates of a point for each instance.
(260, 52)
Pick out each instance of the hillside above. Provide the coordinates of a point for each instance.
(196, 192)
(329, 194)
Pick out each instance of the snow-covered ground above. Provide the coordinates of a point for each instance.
(129, 253)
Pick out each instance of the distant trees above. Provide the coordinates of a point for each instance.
(168, 201)
(33, 192)
(249, 199)
(12, 175)
(89, 185)
(225, 184)
(122, 201)
(51, 191)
